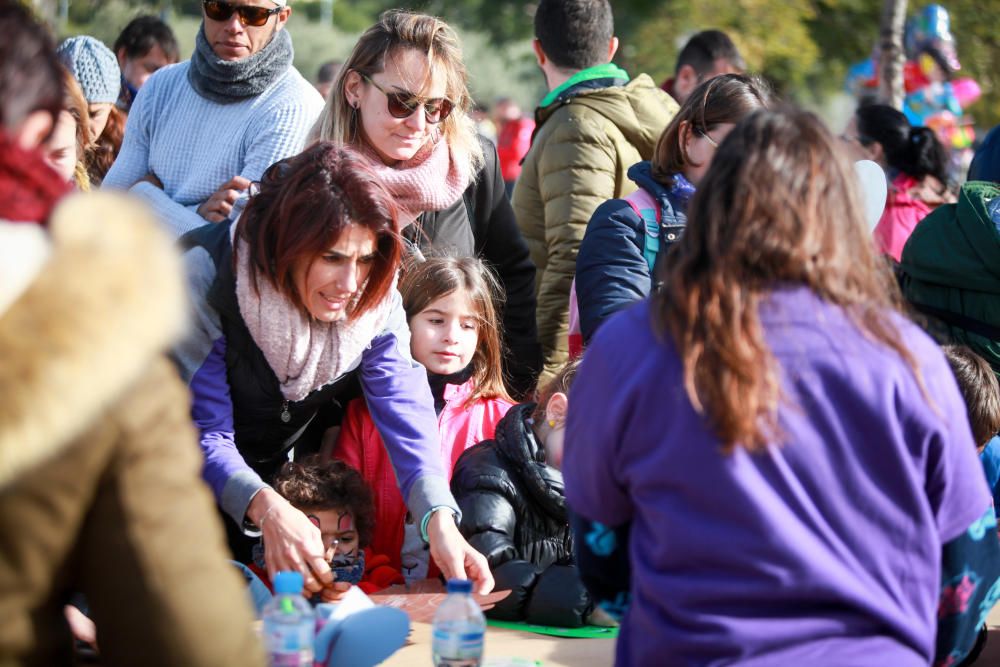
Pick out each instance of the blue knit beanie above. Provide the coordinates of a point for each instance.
(94, 66)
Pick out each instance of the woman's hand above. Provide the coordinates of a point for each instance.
(456, 558)
(218, 207)
(291, 541)
(335, 591)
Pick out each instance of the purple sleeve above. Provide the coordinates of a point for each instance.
(400, 402)
(594, 488)
(232, 481)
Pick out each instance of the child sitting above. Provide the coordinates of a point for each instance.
(454, 334)
(510, 492)
(335, 498)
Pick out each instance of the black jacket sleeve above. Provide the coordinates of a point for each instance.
(611, 270)
(485, 494)
(500, 244)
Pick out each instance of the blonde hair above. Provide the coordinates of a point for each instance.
(424, 283)
(394, 31)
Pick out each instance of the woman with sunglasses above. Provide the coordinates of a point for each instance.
(296, 303)
(402, 100)
(204, 129)
(627, 237)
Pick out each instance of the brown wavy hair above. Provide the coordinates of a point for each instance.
(317, 484)
(727, 98)
(437, 277)
(107, 146)
(305, 203)
(778, 206)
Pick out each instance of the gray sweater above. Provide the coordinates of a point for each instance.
(194, 145)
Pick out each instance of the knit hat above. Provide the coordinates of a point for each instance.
(94, 66)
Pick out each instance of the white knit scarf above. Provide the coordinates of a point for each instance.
(305, 354)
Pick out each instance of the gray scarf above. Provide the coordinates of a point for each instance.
(229, 81)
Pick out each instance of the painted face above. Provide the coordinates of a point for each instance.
(329, 282)
(60, 149)
(396, 139)
(231, 40)
(99, 118)
(444, 335)
(137, 70)
(699, 148)
(340, 536)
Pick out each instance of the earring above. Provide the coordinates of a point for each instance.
(552, 423)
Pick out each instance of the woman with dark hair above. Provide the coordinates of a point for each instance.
(916, 165)
(296, 301)
(626, 237)
(784, 470)
(402, 100)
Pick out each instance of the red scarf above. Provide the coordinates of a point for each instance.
(29, 188)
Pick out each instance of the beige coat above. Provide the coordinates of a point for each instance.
(579, 159)
(99, 467)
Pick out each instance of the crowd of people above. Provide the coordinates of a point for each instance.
(641, 359)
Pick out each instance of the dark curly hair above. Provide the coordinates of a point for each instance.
(316, 484)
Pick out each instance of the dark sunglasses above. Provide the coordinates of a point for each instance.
(249, 15)
(403, 105)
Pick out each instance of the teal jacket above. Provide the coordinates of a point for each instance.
(951, 263)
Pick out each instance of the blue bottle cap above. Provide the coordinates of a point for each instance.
(459, 586)
(288, 583)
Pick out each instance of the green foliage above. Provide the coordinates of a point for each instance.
(803, 46)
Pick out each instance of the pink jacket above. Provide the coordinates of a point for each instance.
(360, 446)
(908, 203)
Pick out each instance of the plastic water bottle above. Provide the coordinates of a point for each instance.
(459, 628)
(289, 625)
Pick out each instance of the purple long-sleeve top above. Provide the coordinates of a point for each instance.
(394, 385)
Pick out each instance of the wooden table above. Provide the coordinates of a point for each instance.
(420, 600)
(502, 643)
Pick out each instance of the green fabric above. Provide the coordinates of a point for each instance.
(605, 71)
(579, 159)
(952, 262)
(585, 632)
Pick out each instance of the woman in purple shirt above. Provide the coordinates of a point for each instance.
(294, 303)
(784, 473)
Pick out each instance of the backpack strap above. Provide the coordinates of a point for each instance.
(646, 208)
(663, 227)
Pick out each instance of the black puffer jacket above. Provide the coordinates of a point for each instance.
(514, 513)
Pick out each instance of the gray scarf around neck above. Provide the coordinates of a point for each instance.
(230, 81)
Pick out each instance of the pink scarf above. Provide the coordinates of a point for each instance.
(305, 354)
(432, 180)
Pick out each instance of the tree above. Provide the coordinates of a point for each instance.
(891, 54)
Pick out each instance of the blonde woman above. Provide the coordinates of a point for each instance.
(402, 100)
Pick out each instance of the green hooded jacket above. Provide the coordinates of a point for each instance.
(579, 158)
(951, 263)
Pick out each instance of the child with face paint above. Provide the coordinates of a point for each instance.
(455, 335)
(335, 498)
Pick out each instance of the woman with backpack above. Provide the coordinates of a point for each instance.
(625, 236)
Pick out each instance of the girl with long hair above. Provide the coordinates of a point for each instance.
(455, 335)
(915, 162)
(626, 237)
(766, 462)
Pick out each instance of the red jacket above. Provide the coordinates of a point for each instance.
(359, 445)
(513, 143)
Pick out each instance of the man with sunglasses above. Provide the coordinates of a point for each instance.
(203, 130)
